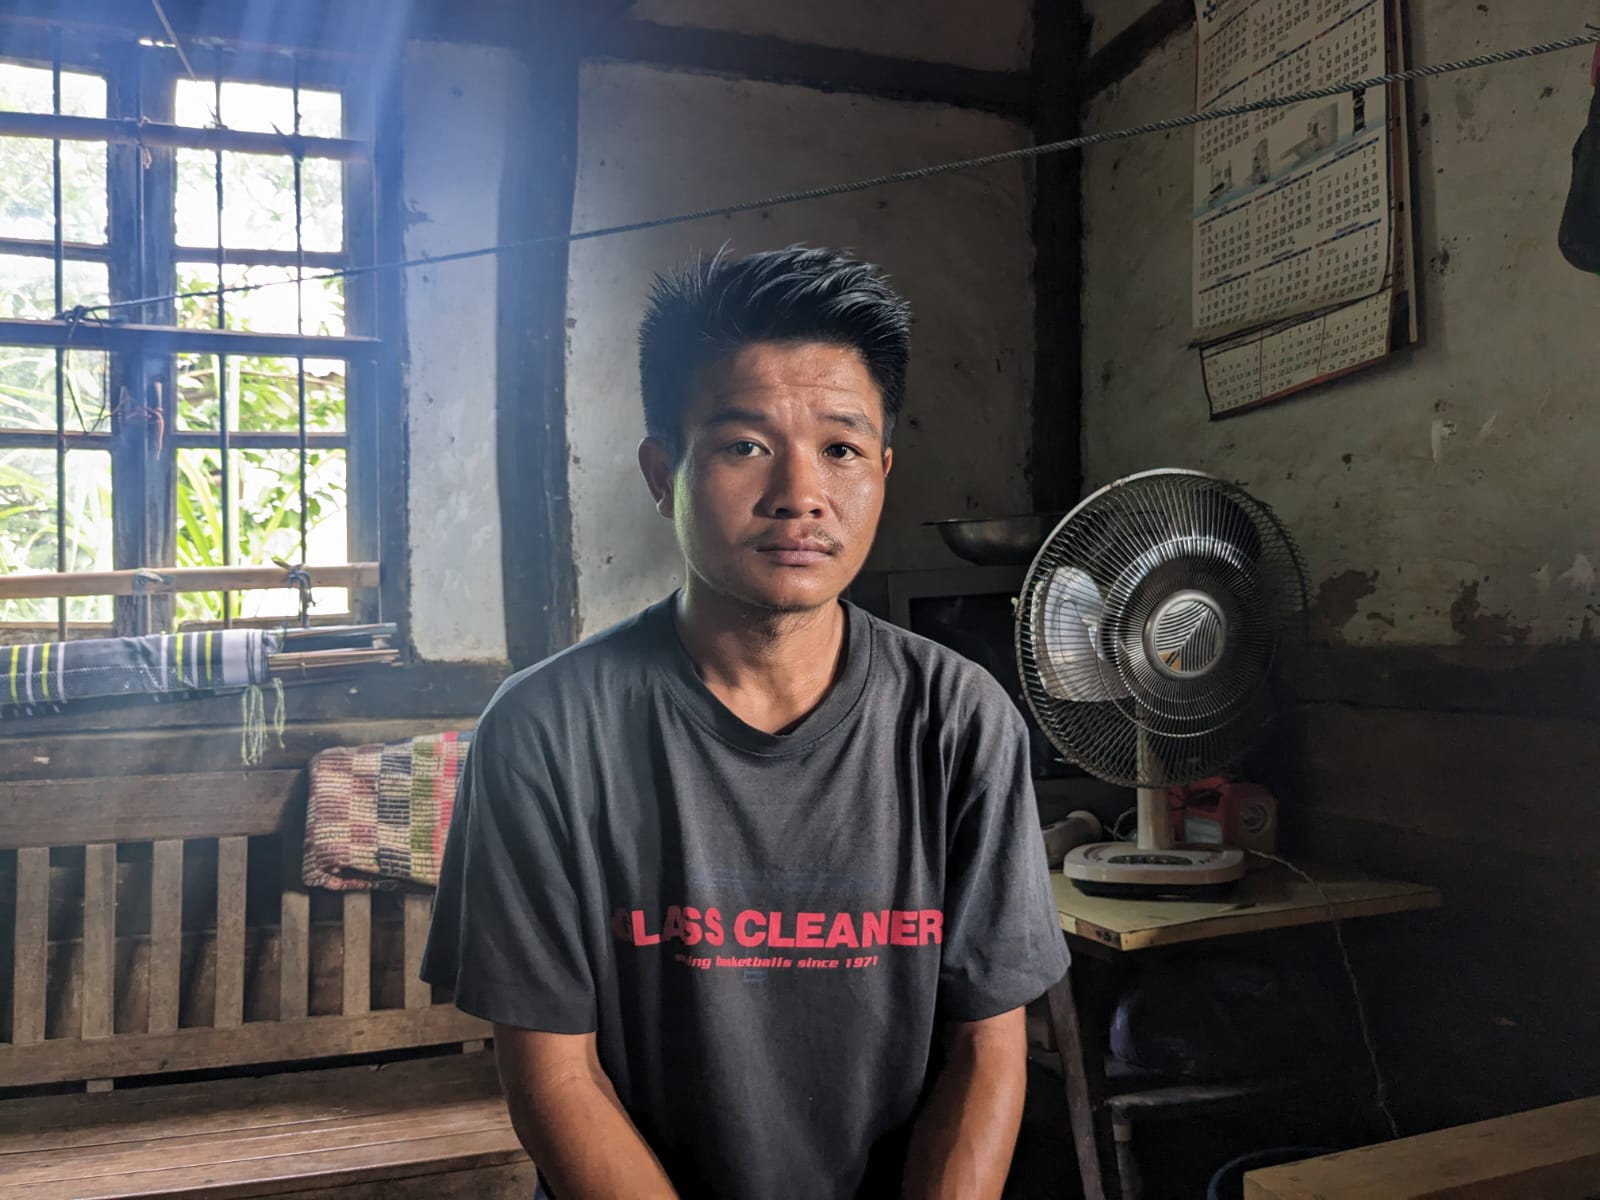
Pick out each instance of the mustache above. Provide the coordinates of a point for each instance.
(814, 534)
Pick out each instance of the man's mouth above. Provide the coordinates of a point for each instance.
(796, 552)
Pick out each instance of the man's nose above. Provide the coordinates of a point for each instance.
(794, 488)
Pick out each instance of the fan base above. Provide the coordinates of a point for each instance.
(1125, 870)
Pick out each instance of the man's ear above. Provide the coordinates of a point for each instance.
(655, 462)
(888, 460)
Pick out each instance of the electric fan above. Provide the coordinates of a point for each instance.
(1147, 630)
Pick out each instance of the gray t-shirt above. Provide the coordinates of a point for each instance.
(763, 930)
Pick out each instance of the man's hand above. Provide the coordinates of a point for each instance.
(568, 1118)
(962, 1142)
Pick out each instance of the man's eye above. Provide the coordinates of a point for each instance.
(744, 449)
(841, 450)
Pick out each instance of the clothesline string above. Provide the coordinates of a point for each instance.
(1017, 154)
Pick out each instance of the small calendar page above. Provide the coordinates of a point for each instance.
(1240, 372)
(1294, 210)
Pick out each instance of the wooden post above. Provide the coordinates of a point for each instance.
(1068, 1036)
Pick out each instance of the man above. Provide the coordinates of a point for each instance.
(752, 885)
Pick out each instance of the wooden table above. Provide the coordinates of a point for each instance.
(1270, 897)
(1552, 1153)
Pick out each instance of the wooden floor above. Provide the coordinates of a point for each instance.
(425, 1128)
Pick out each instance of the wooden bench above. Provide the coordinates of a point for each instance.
(407, 1131)
(1546, 1154)
(152, 924)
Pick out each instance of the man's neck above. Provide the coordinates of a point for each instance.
(769, 668)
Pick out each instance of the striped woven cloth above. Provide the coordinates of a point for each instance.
(44, 673)
(377, 814)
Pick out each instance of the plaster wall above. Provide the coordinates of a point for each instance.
(654, 142)
(453, 155)
(1441, 498)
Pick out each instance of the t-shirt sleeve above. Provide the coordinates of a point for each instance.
(1003, 944)
(508, 930)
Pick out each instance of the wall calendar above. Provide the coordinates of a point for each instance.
(1300, 264)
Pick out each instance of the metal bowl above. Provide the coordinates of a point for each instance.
(998, 541)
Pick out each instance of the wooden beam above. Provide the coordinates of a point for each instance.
(418, 689)
(538, 572)
(1551, 1152)
(129, 430)
(158, 395)
(1118, 57)
(383, 408)
(1054, 466)
(199, 1049)
(123, 338)
(825, 68)
(318, 31)
(128, 132)
(152, 581)
(194, 751)
(145, 808)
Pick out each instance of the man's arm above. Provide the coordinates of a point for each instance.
(569, 1120)
(962, 1142)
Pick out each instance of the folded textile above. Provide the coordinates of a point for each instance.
(209, 660)
(377, 814)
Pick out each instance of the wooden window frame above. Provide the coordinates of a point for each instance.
(142, 256)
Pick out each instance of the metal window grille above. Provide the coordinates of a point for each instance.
(138, 425)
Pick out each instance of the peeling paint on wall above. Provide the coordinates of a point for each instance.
(1336, 603)
(1475, 627)
(1580, 575)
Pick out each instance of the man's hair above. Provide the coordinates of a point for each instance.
(712, 307)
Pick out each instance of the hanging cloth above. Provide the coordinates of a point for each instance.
(1580, 220)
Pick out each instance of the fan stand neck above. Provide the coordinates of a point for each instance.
(1155, 819)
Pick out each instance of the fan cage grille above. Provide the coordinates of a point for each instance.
(1131, 684)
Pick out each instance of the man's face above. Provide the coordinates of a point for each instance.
(777, 495)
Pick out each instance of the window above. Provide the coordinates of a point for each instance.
(207, 427)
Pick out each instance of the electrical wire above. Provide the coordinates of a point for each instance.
(1380, 1085)
(1018, 154)
(176, 44)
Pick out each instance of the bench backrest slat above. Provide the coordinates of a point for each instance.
(418, 907)
(31, 948)
(99, 997)
(294, 955)
(232, 881)
(357, 967)
(166, 934)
